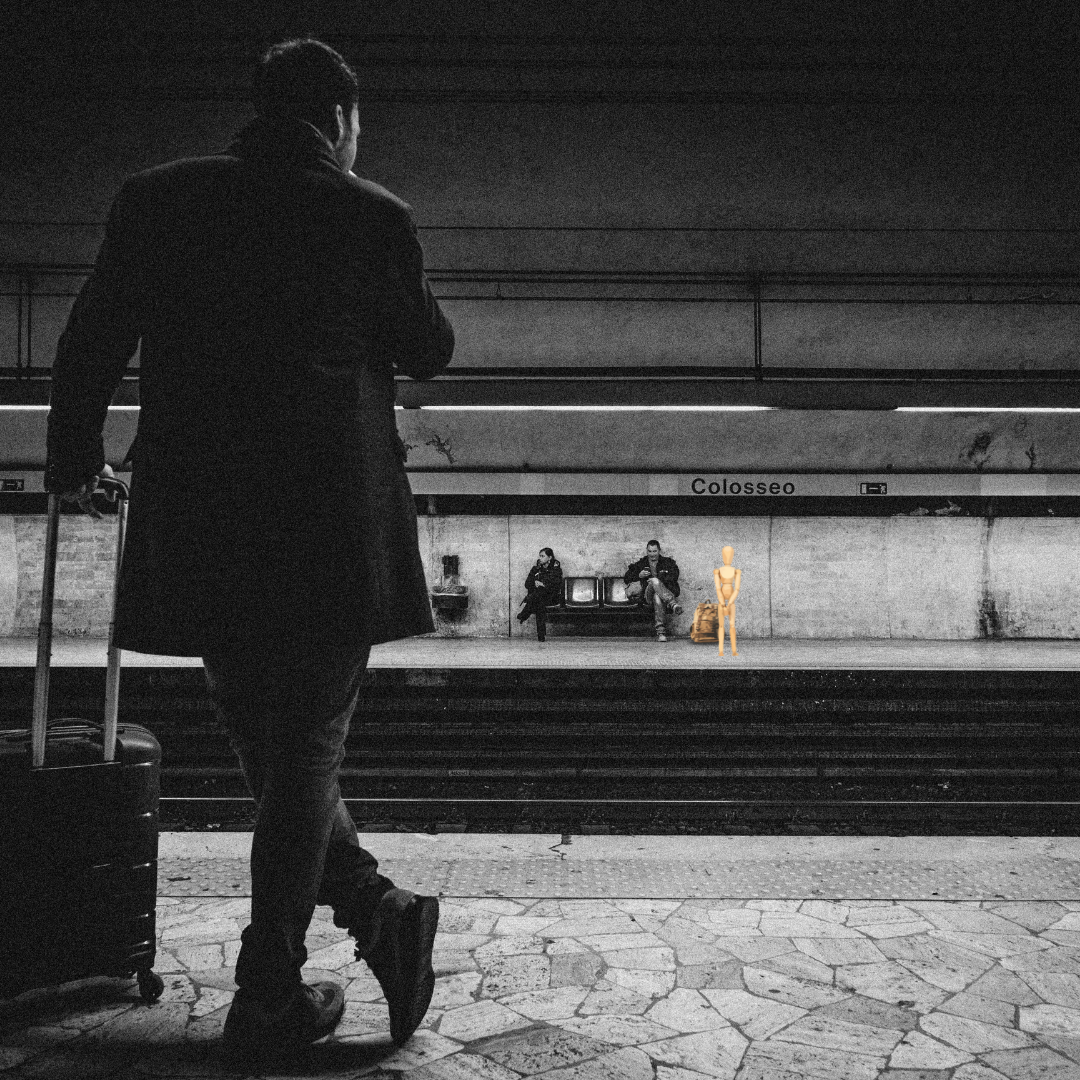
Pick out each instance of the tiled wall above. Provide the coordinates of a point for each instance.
(803, 577)
(84, 575)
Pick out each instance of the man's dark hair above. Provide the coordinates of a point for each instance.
(304, 79)
(548, 552)
(651, 542)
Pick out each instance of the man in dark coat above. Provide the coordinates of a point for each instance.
(654, 579)
(272, 529)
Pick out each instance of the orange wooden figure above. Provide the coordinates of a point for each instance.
(727, 580)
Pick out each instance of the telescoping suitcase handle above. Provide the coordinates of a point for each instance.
(44, 649)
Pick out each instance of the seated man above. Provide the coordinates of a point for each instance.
(654, 579)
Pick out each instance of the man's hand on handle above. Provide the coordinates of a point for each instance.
(82, 495)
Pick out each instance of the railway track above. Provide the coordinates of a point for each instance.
(646, 751)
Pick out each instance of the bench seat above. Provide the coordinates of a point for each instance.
(599, 621)
(597, 600)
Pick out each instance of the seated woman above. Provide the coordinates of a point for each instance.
(543, 586)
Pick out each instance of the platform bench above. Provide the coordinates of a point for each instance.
(598, 600)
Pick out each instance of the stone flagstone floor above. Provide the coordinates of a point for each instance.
(630, 989)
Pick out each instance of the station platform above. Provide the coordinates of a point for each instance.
(607, 653)
(633, 958)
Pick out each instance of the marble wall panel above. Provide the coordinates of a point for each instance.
(482, 549)
(829, 577)
(934, 569)
(1033, 578)
(9, 575)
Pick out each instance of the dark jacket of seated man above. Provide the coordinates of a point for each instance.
(551, 577)
(667, 570)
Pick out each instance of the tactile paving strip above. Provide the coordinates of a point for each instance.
(1029, 879)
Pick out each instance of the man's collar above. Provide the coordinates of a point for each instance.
(284, 139)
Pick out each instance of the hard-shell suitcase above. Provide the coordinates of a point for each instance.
(78, 829)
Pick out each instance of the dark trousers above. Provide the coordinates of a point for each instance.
(536, 604)
(287, 711)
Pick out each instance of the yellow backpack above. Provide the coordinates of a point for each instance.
(706, 619)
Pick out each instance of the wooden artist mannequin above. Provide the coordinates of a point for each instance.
(727, 580)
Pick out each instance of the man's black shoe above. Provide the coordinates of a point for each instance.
(400, 957)
(256, 1032)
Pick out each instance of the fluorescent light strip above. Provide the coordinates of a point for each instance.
(597, 408)
(500, 408)
(984, 408)
(648, 408)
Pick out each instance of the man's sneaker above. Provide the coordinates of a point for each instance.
(400, 957)
(256, 1032)
(661, 637)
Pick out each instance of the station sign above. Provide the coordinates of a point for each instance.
(739, 485)
(742, 486)
(876, 485)
(745, 485)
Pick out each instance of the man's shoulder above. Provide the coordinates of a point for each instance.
(181, 169)
(200, 168)
(175, 176)
(376, 197)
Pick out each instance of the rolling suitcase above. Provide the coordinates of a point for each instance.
(78, 829)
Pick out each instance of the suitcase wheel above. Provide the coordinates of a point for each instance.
(151, 986)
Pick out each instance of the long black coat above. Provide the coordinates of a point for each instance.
(552, 578)
(274, 297)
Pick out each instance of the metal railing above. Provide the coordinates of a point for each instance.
(24, 376)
